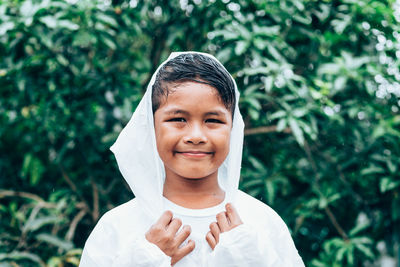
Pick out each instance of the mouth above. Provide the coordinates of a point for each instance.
(194, 154)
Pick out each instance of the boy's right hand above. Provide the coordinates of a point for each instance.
(164, 234)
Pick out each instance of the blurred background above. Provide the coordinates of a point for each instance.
(320, 95)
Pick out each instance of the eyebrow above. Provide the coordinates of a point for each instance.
(184, 112)
(215, 113)
(176, 111)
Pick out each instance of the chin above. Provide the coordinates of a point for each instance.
(196, 175)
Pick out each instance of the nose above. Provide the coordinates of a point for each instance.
(195, 135)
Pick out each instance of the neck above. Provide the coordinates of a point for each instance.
(193, 193)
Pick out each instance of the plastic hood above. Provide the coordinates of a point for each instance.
(138, 160)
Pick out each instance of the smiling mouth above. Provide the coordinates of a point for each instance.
(194, 154)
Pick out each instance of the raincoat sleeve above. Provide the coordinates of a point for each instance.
(245, 246)
(105, 248)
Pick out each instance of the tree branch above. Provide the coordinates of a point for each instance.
(10, 193)
(327, 210)
(95, 212)
(73, 187)
(264, 130)
(71, 231)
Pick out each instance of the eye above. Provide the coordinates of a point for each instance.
(214, 121)
(177, 120)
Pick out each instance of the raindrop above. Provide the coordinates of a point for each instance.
(212, 47)
(329, 111)
(380, 93)
(183, 4)
(389, 44)
(109, 97)
(210, 35)
(279, 82)
(383, 59)
(387, 152)
(133, 3)
(379, 79)
(375, 32)
(366, 26)
(288, 73)
(361, 115)
(158, 11)
(362, 218)
(381, 39)
(117, 112)
(379, 47)
(189, 9)
(234, 7)
(260, 13)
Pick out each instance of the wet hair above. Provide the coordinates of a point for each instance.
(192, 67)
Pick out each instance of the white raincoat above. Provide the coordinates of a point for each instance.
(119, 237)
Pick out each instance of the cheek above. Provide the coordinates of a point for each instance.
(224, 141)
(165, 140)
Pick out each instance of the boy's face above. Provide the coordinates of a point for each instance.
(192, 128)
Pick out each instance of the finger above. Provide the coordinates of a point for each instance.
(183, 235)
(184, 250)
(211, 240)
(233, 215)
(223, 221)
(174, 226)
(165, 218)
(215, 231)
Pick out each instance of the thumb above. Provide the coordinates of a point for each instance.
(233, 215)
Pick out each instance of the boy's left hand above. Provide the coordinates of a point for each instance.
(226, 221)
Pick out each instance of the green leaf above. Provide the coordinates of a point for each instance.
(268, 83)
(36, 171)
(299, 112)
(49, 21)
(107, 19)
(26, 165)
(359, 228)
(372, 169)
(62, 60)
(35, 224)
(269, 185)
(108, 42)
(83, 39)
(297, 132)
(387, 184)
(278, 114)
(56, 241)
(6, 26)
(19, 255)
(254, 103)
(68, 25)
(241, 47)
(282, 123)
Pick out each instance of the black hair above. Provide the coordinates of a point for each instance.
(197, 68)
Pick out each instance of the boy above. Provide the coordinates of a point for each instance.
(181, 154)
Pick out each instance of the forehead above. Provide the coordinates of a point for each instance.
(193, 96)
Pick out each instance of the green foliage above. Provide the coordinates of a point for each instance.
(320, 95)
